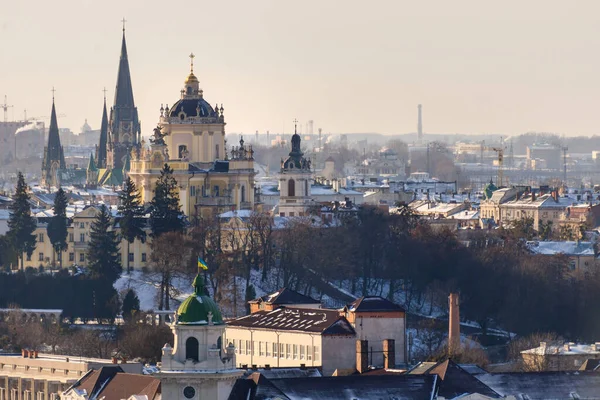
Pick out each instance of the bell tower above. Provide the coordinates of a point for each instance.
(294, 181)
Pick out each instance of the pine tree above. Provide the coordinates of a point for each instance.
(58, 224)
(21, 223)
(131, 304)
(131, 215)
(166, 214)
(103, 250)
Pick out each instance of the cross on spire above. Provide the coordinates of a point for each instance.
(104, 90)
(123, 21)
(295, 125)
(192, 56)
(53, 91)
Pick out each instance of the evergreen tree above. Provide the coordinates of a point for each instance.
(131, 215)
(58, 224)
(21, 223)
(103, 250)
(131, 304)
(166, 214)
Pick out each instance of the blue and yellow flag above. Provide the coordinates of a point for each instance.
(202, 264)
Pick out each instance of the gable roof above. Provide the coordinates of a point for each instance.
(373, 304)
(325, 322)
(456, 381)
(111, 383)
(285, 296)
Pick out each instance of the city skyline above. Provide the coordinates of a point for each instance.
(475, 68)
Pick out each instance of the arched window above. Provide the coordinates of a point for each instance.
(191, 349)
(182, 150)
(306, 187)
(291, 188)
(243, 193)
(217, 152)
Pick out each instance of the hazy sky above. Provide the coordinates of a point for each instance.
(351, 66)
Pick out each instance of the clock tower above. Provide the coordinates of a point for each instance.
(199, 365)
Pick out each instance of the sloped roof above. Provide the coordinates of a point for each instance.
(373, 304)
(401, 387)
(591, 364)
(570, 248)
(456, 381)
(545, 385)
(326, 322)
(111, 383)
(286, 296)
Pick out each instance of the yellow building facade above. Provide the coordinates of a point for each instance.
(190, 138)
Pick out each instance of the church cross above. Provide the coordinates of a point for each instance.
(53, 91)
(295, 124)
(123, 21)
(192, 62)
(104, 90)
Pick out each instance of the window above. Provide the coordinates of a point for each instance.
(82, 237)
(143, 257)
(216, 191)
(192, 349)
(71, 257)
(81, 225)
(274, 350)
(248, 347)
(217, 151)
(130, 257)
(306, 187)
(261, 348)
(193, 191)
(28, 257)
(316, 348)
(41, 256)
(295, 348)
(71, 238)
(302, 352)
(291, 188)
(182, 150)
(292, 213)
(282, 214)
(308, 353)
(41, 237)
(281, 352)
(267, 349)
(254, 349)
(81, 257)
(243, 193)
(288, 352)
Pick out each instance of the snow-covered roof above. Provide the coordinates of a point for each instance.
(569, 248)
(564, 349)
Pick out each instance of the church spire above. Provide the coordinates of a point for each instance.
(124, 91)
(101, 154)
(54, 158)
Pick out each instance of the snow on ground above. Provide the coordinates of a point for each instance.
(147, 290)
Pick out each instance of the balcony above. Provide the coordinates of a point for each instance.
(80, 245)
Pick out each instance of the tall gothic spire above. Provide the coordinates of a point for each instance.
(54, 158)
(124, 91)
(101, 153)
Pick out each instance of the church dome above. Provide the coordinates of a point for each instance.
(194, 310)
(191, 107)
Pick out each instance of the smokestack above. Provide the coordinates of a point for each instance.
(453, 324)
(420, 126)
(362, 356)
(389, 353)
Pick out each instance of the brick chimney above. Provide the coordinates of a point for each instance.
(389, 353)
(362, 356)
(453, 324)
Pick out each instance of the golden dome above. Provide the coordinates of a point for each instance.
(191, 78)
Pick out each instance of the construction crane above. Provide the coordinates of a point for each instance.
(5, 107)
(500, 152)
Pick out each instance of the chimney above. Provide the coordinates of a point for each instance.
(267, 367)
(453, 324)
(302, 366)
(362, 356)
(389, 353)
(555, 195)
(567, 346)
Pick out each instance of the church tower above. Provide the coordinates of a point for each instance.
(124, 132)
(54, 158)
(91, 174)
(294, 182)
(199, 365)
(101, 150)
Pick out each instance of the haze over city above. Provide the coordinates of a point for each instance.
(476, 67)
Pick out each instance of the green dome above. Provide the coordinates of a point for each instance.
(490, 189)
(194, 310)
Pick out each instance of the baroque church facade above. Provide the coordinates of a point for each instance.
(190, 139)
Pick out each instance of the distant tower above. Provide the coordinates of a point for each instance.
(124, 130)
(294, 181)
(101, 150)
(91, 174)
(420, 125)
(54, 157)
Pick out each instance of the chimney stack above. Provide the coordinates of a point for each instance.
(362, 356)
(453, 324)
(389, 353)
